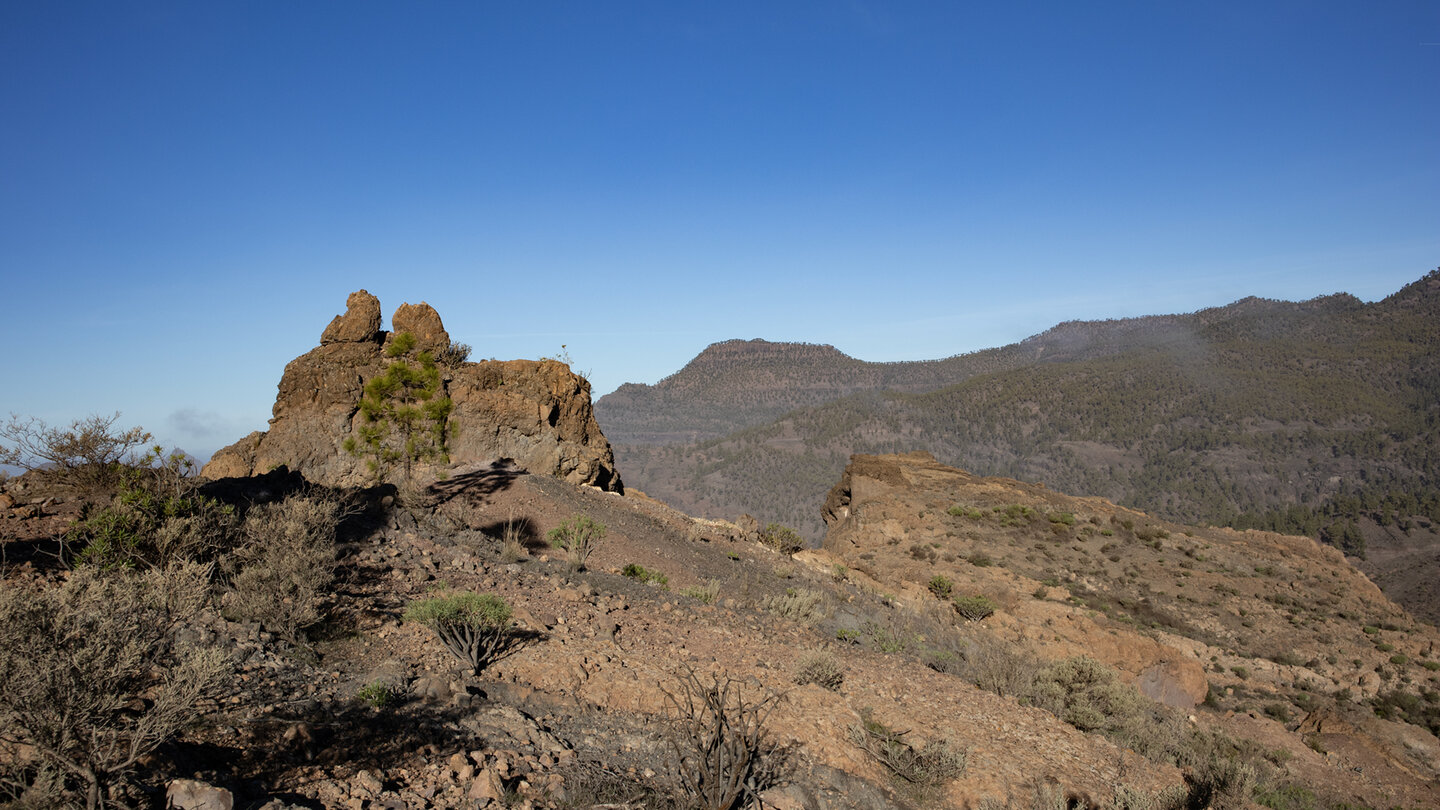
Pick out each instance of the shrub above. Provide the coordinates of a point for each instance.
(285, 566)
(941, 587)
(378, 694)
(782, 538)
(1063, 518)
(820, 668)
(577, 537)
(91, 674)
(925, 768)
(802, 605)
(158, 518)
(644, 574)
(453, 355)
(1086, 694)
(474, 627)
(705, 593)
(88, 455)
(974, 608)
(718, 738)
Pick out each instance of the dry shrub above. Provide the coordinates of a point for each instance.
(283, 570)
(821, 669)
(802, 605)
(91, 675)
(88, 456)
(719, 741)
(922, 769)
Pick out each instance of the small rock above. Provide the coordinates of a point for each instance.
(188, 794)
(487, 787)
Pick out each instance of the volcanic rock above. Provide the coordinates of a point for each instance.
(359, 324)
(536, 413)
(422, 321)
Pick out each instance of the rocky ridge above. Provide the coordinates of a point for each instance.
(537, 413)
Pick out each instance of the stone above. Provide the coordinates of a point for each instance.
(359, 324)
(487, 787)
(422, 321)
(189, 794)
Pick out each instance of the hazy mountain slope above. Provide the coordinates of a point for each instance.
(1252, 408)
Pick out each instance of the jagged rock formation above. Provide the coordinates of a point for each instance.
(535, 412)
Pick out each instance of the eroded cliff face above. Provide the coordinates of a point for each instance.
(537, 413)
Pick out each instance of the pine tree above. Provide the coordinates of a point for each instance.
(406, 413)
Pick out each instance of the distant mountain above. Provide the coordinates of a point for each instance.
(1318, 417)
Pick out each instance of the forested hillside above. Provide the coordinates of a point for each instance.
(1318, 417)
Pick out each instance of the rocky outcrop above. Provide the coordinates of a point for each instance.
(359, 324)
(537, 413)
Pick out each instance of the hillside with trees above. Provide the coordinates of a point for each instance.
(1317, 417)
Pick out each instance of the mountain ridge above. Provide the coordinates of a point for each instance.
(1319, 417)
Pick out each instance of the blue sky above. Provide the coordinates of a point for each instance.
(188, 191)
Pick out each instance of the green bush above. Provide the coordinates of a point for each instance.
(158, 518)
(406, 417)
(974, 608)
(578, 537)
(782, 538)
(378, 694)
(941, 587)
(474, 627)
(644, 574)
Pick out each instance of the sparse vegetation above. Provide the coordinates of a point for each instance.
(919, 769)
(803, 605)
(92, 676)
(718, 739)
(821, 669)
(705, 593)
(578, 537)
(86, 456)
(282, 571)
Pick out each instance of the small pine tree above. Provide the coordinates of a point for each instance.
(406, 413)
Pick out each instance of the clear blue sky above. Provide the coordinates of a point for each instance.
(188, 190)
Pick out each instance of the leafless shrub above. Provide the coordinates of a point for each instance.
(91, 677)
(285, 566)
(921, 769)
(821, 669)
(86, 456)
(719, 739)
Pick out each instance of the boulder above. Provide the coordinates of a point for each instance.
(422, 321)
(359, 324)
(537, 413)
